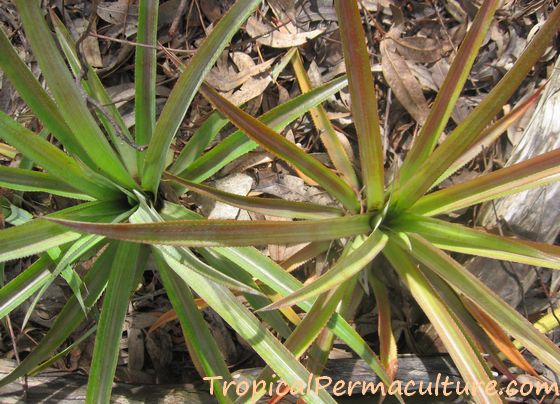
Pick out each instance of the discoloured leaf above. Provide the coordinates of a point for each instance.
(273, 207)
(206, 233)
(500, 338)
(450, 91)
(528, 174)
(283, 148)
(364, 102)
(470, 129)
(466, 283)
(492, 133)
(387, 341)
(329, 136)
(469, 361)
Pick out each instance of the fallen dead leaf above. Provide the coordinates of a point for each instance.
(237, 183)
(228, 80)
(420, 49)
(115, 12)
(90, 45)
(402, 81)
(249, 91)
(270, 36)
(211, 9)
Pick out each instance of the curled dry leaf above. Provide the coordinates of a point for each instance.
(402, 81)
(249, 91)
(275, 38)
(291, 188)
(211, 10)
(116, 12)
(250, 77)
(231, 80)
(420, 49)
(90, 45)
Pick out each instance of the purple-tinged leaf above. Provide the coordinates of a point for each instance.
(532, 173)
(426, 140)
(209, 233)
(364, 101)
(284, 149)
(266, 206)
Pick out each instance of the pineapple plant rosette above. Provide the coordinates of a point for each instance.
(129, 211)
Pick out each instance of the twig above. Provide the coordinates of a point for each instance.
(143, 45)
(85, 34)
(175, 23)
(16, 354)
(200, 18)
(440, 18)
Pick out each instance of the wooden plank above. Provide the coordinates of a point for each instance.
(68, 388)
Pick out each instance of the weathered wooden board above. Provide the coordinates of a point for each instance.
(53, 386)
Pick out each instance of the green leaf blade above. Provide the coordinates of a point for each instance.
(201, 344)
(535, 172)
(364, 101)
(275, 277)
(145, 74)
(284, 149)
(37, 98)
(209, 233)
(38, 235)
(471, 128)
(449, 92)
(24, 285)
(69, 101)
(342, 271)
(200, 139)
(185, 89)
(462, 239)
(50, 158)
(111, 119)
(273, 207)
(128, 261)
(34, 181)
(68, 319)
(237, 144)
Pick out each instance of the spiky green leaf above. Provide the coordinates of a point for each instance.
(185, 89)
